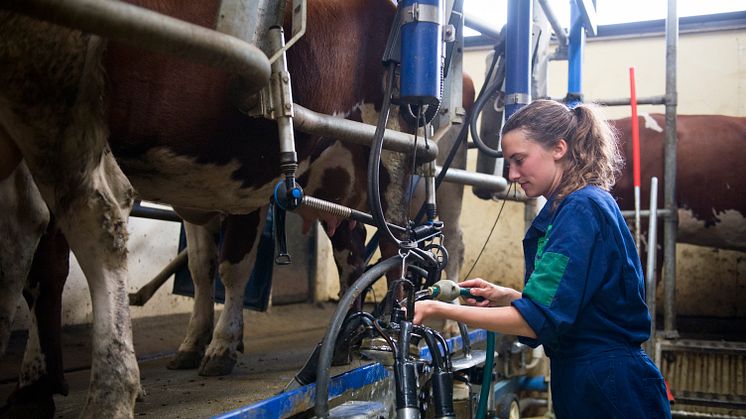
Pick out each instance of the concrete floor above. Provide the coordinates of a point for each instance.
(277, 344)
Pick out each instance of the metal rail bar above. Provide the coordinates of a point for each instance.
(481, 26)
(154, 213)
(669, 169)
(649, 100)
(316, 123)
(662, 213)
(146, 29)
(559, 32)
(487, 182)
(147, 291)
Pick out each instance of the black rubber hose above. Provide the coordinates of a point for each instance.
(374, 161)
(478, 105)
(321, 409)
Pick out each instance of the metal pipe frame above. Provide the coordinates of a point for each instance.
(575, 53)
(650, 100)
(480, 26)
(491, 183)
(559, 32)
(143, 28)
(518, 56)
(660, 213)
(316, 123)
(154, 213)
(669, 190)
(650, 269)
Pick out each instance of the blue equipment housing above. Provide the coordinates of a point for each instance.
(421, 52)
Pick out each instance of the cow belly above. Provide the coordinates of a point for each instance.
(182, 181)
(728, 233)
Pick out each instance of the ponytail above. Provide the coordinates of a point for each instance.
(593, 157)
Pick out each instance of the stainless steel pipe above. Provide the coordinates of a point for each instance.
(481, 26)
(669, 169)
(649, 100)
(316, 123)
(142, 28)
(494, 184)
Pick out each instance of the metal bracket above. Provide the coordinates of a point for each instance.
(517, 98)
(300, 11)
(422, 13)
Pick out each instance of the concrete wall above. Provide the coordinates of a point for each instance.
(711, 80)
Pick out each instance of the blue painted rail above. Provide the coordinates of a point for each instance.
(300, 399)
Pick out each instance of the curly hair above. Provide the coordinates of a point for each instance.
(593, 157)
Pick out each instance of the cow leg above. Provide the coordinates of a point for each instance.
(203, 256)
(25, 218)
(54, 114)
(349, 254)
(237, 256)
(95, 225)
(42, 374)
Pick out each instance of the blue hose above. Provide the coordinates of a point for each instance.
(484, 393)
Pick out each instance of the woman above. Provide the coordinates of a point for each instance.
(584, 297)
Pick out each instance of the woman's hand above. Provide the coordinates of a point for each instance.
(494, 295)
(425, 309)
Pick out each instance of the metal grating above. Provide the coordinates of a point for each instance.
(706, 376)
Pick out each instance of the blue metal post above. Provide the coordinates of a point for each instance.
(575, 54)
(518, 56)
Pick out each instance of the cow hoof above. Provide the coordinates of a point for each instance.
(185, 361)
(217, 366)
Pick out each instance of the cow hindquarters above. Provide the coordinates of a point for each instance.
(237, 256)
(63, 138)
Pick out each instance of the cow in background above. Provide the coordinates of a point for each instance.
(176, 136)
(710, 187)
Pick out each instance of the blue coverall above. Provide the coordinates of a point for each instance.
(584, 297)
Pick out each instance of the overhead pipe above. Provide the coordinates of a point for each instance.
(316, 123)
(559, 32)
(142, 28)
(518, 56)
(575, 52)
(481, 26)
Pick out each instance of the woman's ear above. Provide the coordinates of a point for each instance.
(560, 149)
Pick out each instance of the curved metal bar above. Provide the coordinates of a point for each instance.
(146, 29)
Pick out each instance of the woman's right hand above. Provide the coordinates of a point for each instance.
(494, 295)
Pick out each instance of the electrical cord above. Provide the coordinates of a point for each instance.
(505, 199)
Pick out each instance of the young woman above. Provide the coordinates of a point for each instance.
(584, 295)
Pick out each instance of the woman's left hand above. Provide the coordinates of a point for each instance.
(425, 309)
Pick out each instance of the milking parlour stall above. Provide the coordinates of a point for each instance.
(284, 179)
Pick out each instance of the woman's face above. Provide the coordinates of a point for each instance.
(538, 170)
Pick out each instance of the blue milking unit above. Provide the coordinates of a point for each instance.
(421, 52)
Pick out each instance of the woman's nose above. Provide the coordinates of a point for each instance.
(512, 173)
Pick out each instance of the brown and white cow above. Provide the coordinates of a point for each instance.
(176, 136)
(710, 187)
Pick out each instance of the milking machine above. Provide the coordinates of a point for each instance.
(422, 386)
